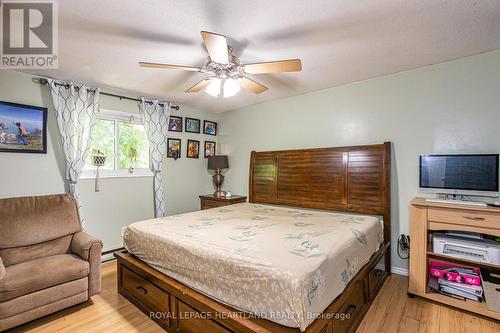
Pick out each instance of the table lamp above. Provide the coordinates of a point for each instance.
(217, 163)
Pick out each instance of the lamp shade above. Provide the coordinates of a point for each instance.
(218, 162)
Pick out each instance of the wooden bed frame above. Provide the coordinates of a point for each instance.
(350, 179)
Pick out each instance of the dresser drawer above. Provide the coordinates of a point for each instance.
(212, 203)
(464, 217)
(207, 204)
(146, 292)
(351, 309)
(192, 321)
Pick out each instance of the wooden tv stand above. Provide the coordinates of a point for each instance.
(427, 217)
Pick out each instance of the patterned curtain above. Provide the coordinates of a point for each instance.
(75, 106)
(155, 116)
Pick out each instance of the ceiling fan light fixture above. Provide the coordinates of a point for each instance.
(214, 87)
(231, 87)
(226, 73)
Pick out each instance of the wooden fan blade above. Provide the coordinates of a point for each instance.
(169, 66)
(199, 86)
(291, 65)
(216, 46)
(251, 85)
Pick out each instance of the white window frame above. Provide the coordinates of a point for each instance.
(117, 117)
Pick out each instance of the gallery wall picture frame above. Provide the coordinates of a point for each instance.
(193, 149)
(192, 125)
(175, 124)
(174, 148)
(23, 128)
(209, 127)
(209, 149)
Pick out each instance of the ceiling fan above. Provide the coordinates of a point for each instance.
(226, 74)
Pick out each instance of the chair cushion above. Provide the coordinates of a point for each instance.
(33, 220)
(38, 274)
(42, 297)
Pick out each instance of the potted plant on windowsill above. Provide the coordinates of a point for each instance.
(132, 157)
(98, 159)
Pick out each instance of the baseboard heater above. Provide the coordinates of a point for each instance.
(108, 255)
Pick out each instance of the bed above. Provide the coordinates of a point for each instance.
(308, 253)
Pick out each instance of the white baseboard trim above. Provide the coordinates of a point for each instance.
(399, 271)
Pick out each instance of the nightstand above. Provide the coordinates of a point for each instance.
(209, 201)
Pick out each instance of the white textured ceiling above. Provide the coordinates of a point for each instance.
(339, 41)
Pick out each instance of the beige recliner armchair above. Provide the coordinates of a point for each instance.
(47, 263)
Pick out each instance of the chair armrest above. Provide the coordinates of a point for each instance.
(82, 243)
(89, 248)
(2, 269)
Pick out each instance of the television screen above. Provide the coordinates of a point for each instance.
(459, 173)
(23, 128)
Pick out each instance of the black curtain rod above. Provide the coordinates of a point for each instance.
(44, 81)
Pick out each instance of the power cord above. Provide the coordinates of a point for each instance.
(403, 246)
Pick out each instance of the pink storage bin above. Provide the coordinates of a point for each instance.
(445, 271)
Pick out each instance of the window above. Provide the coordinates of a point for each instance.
(104, 140)
(122, 138)
(134, 146)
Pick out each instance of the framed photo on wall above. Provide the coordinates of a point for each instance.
(193, 125)
(23, 128)
(173, 148)
(209, 127)
(175, 124)
(193, 149)
(209, 149)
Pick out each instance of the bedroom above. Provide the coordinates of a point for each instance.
(371, 90)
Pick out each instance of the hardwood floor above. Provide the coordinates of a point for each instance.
(392, 311)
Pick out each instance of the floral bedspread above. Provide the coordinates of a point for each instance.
(283, 264)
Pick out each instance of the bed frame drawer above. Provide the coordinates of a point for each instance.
(464, 217)
(192, 321)
(154, 298)
(327, 328)
(376, 277)
(351, 309)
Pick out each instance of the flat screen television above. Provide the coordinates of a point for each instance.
(23, 128)
(474, 174)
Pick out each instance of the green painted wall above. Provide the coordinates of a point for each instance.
(452, 107)
(121, 201)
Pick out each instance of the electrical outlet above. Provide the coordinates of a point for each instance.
(123, 230)
(404, 242)
(403, 247)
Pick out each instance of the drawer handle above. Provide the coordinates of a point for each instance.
(378, 272)
(142, 290)
(474, 218)
(350, 309)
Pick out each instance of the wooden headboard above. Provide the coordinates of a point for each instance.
(350, 179)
